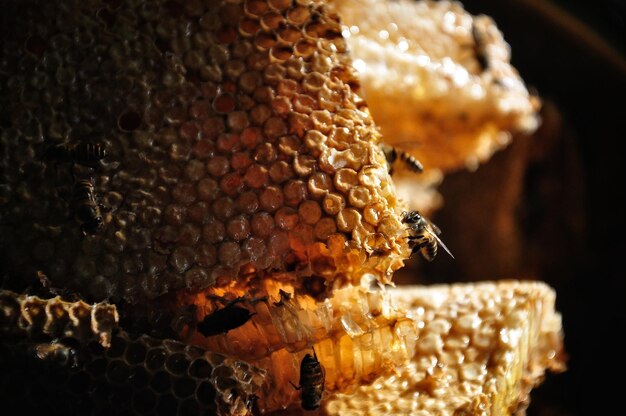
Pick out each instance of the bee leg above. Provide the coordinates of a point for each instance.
(240, 299)
(416, 246)
(226, 302)
(284, 297)
(411, 163)
(295, 387)
(259, 299)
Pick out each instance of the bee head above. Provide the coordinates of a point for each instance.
(412, 217)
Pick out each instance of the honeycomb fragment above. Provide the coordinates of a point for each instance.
(437, 80)
(143, 376)
(229, 128)
(344, 331)
(440, 85)
(31, 317)
(481, 349)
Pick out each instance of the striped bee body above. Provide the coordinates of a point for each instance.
(88, 154)
(86, 207)
(392, 154)
(423, 235)
(312, 378)
(85, 154)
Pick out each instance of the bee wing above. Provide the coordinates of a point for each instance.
(439, 242)
(436, 229)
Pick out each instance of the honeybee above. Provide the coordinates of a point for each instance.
(480, 51)
(225, 319)
(57, 353)
(85, 154)
(312, 377)
(423, 235)
(392, 154)
(86, 207)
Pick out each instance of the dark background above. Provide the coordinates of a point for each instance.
(550, 206)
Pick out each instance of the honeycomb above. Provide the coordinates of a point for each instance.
(439, 84)
(236, 146)
(143, 376)
(481, 349)
(237, 152)
(346, 332)
(456, 96)
(34, 318)
(227, 151)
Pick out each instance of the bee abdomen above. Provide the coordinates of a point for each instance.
(88, 154)
(86, 207)
(411, 162)
(312, 379)
(86, 213)
(429, 251)
(85, 154)
(224, 320)
(426, 246)
(313, 376)
(311, 400)
(84, 185)
(84, 195)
